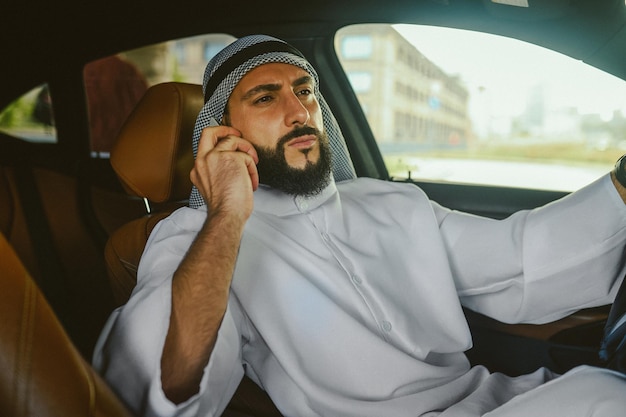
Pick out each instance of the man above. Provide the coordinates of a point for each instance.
(342, 298)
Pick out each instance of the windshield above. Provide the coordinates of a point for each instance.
(460, 106)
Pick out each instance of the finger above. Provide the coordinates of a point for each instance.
(237, 144)
(210, 136)
(225, 164)
(253, 172)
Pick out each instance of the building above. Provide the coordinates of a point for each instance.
(408, 100)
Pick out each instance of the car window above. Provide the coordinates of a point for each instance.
(115, 84)
(467, 107)
(30, 117)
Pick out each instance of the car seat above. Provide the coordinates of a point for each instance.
(42, 374)
(152, 158)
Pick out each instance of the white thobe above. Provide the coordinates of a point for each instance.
(349, 303)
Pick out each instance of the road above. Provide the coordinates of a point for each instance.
(515, 174)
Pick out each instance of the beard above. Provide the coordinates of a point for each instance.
(308, 181)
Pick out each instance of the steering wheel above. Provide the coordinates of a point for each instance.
(613, 347)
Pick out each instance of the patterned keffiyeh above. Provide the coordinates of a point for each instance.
(229, 66)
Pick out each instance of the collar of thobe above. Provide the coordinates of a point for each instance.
(272, 201)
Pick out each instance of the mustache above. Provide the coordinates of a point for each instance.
(297, 132)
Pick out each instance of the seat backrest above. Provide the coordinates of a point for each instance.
(41, 372)
(152, 158)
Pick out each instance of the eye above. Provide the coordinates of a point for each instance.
(263, 99)
(304, 92)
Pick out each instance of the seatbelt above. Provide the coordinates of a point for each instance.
(51, 279)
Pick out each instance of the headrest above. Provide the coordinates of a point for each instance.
(152, 155)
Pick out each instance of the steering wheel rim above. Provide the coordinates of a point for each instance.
(613, 346)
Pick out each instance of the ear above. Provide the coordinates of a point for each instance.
(226, 117)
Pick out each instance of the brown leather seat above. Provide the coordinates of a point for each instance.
(153, 158)
(41, 372)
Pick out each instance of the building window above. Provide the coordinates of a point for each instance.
(180, 53)
(361, 81)
(356, 47)
(212, 48)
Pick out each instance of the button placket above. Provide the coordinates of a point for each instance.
(302, 203)
(357, 282)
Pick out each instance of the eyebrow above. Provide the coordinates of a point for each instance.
(307, 79)
(275, 87)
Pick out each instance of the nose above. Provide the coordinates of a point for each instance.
(296, 112)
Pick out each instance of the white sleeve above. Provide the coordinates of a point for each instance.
(128, 352)
(539, 265)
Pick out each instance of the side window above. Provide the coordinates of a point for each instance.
(30, 117)
(468, 107)
(115, 84)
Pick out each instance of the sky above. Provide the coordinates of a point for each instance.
(488, 61)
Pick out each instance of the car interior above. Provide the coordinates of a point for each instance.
(76, 209)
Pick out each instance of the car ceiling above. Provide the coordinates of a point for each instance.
(58, 37)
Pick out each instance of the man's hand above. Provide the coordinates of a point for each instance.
(225, 174)
(225, 171)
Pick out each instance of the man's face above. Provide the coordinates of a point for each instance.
(275, 108)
